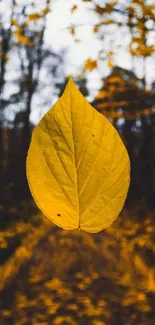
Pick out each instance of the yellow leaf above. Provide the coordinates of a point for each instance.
(25, 24)
(77, 166)
(3, 243)
(72, 30)
(34, 17)
(110, 63)
(6, 312)
(80, 75)
(151, 281)
(90, 65)
(46, 11)
(74, 8)
(14, 22)
(110, 53)
(140, 264)
(23, 39)
(96, 28)
(102, 94)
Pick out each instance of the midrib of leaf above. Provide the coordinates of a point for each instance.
(76, 180)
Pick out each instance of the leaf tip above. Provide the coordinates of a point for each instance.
(70, 80)
(71, 86)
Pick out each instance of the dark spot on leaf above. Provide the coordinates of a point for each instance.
(58, 214)
(92, 135)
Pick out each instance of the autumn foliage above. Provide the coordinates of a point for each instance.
(54, 276)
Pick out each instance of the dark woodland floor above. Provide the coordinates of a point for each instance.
(52, 276)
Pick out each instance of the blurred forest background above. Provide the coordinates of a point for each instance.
(48, 275)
